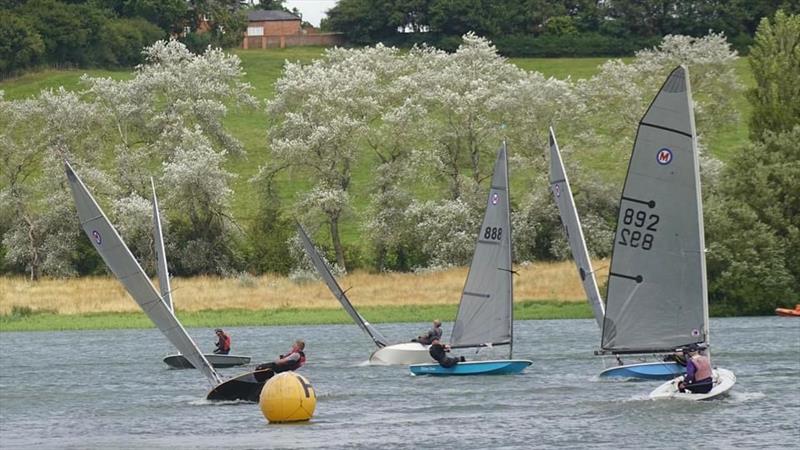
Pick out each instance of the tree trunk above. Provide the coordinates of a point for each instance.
(337, 243)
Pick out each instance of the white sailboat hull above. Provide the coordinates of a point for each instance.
(723, 381)
(401, 354)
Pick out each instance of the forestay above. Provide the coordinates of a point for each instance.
(327, 276)
(485, 313)
(161, 255)
(559, 184)
(657, 282)
(121, 262)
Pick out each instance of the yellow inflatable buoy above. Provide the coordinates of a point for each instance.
(287, 397)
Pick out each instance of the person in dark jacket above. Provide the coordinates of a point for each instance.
(433, 333)
(439, 353)
(223, 342)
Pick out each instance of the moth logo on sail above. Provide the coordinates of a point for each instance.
(664, 156)
(97, 237)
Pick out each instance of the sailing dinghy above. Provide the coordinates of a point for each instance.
(657, 295)
(404, 353)
(486, 312)
(179, 361)
(126, 269)
(562, 193)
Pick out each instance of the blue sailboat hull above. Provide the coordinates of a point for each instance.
(494, 367)
(658, 370)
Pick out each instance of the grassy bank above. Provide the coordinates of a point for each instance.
(24, 320)
(92, 295)
(542, 290)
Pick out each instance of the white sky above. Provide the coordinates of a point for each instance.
(313, 10)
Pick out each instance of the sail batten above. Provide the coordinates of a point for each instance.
(126, 268)
(657, 282)
(337, 291)
(485, 313)
(562, 192)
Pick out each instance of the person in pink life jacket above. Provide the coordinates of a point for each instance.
(292, 360)
(698, 379)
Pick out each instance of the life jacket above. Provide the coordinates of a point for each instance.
(294, 365)
(226, 342)
(702, 367)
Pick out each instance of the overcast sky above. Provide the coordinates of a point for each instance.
(312, 10)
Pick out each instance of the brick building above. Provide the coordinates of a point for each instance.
(279, 29)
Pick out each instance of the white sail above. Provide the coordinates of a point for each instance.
(120, 261)
(657, 298)
(337, 291)
(485, 313)
(161, 255)
(559, 184)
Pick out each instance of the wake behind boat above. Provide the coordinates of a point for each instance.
(120, 261)
(486, 312)
(403, 353)
(562, 193)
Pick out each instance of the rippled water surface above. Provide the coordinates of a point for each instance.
(109, 389)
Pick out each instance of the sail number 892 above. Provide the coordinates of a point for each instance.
(636, 233)
(493, 233)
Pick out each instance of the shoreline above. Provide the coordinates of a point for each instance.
(29, 320)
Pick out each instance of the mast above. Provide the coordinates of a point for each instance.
(126, 268)
(657, 299)
(337, 291)
(161, 255)
(562, 193)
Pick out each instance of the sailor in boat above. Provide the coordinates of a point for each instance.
(698, 372)
(223, 342)
(433, 333)
(292, 360)
(439, 353)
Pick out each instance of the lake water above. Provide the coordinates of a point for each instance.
(109, 389)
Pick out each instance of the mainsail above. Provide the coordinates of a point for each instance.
(121, 262)
(161, 256)
(657, 298)
(325, 273)
(559, 184)
(485, 313)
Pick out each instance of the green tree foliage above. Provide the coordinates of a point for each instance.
(633, 24)
(775, 62)
(20, 45)
(169, 15)
(123, 41)
(755, 255)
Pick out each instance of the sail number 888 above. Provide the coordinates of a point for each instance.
(636, 233)
(493, 233)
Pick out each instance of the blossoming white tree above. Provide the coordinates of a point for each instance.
(170, 115)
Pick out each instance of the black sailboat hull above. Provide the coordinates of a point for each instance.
(245, 387)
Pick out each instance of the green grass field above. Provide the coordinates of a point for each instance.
(44, 321)
(264, 67)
